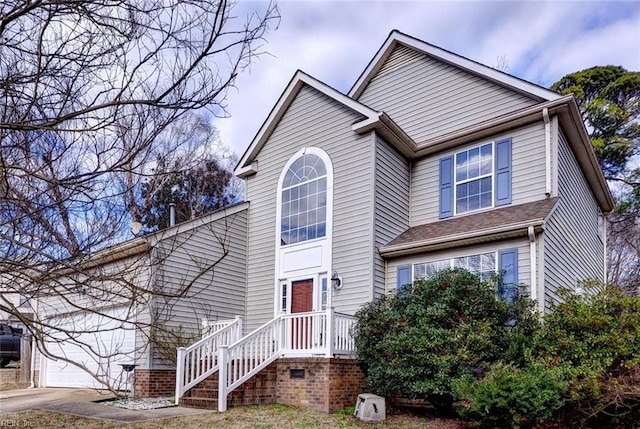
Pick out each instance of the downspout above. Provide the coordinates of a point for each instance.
(547, 150)
(34, 350)
(604, 244)
(532, 257)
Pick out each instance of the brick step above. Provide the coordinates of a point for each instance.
(204, 392)
(202, 403)
(209, 383)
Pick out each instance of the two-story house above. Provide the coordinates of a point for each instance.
(430, 161)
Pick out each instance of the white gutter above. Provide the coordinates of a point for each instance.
(34, 348)
(604, 243)
(547, 150)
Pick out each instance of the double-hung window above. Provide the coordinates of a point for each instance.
(475, 178)
(473, 175)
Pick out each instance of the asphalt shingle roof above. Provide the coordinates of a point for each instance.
(499, 218)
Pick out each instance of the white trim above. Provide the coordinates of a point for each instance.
(532, 261)
(395, 38)
(605, 222)
(547, 150)
(554, 153)
(326, 242)
(480, 176)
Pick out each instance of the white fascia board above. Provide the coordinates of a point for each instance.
(455, 60)
(297, 82)
(388, 129)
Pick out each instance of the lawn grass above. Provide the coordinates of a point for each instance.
(252, 417)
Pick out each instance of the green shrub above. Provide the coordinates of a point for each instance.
(598, 336)
(509, 396)
(416, 342)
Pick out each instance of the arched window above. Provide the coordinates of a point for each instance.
(304, 200)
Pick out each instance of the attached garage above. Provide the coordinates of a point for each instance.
(100, 342)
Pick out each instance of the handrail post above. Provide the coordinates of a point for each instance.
(280, 329)
(180, 368)
(239, 321)
(223, 358)
(330, 334)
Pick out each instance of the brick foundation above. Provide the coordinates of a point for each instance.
(329, 384)
(155, 382)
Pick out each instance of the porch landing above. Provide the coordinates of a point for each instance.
(319, 383)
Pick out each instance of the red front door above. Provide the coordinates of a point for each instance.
(301, 302)
(301, 296)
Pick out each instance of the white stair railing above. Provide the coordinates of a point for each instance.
(200, 360)
(211, 326)
(247, 357)
(325, 333)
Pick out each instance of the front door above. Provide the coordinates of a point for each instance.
(301, 302)
(302, 296)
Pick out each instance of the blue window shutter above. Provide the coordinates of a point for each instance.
(508, 266)
(446, 187)
(503, 172)
(404, 276)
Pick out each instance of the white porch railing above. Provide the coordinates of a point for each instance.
(198, 361)
(324, 333)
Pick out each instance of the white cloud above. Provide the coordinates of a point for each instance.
(334, 41)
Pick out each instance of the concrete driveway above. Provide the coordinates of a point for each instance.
(81, 402)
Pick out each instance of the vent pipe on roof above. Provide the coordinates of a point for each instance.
(172, 214)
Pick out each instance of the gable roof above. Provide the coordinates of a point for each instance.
(489, 225)
(549, 103)
(371, 120)
(397, 38)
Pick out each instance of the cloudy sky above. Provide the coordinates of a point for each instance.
(334, 41)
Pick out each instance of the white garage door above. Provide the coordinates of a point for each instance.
(101, 347)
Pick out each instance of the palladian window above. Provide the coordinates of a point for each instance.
(304, 200)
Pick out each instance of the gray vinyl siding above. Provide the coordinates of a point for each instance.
(314, 119)
(524, 262)
(216, 282)
(573, 250)
(353, 238)
(428, 98)
(528, 172)
(391, 206)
